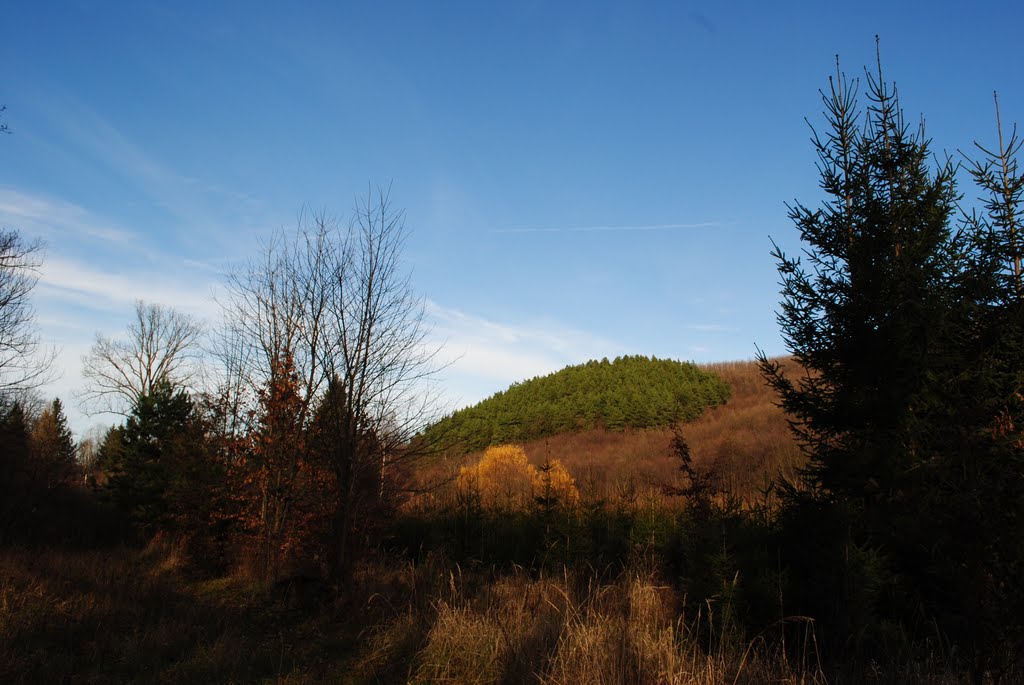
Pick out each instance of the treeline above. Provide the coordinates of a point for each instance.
(631, 391)
(39, 459)
(274, 440)
(262, 502)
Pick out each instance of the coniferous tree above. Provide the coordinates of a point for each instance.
(354, 458)
(52, 447)
(14, 459)
(109, 454)
(157, 443)
(276, 465)
(973, 498)
(910, 409)
(865, 314)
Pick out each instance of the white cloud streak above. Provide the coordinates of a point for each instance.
(712, 328)
(81, 284)
(81, 243)
(202, 211)
(598, 229)
(34, 213)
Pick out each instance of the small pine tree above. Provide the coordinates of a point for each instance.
(554, 486)
(156, 444)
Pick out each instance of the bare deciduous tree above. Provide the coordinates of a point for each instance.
(273, 310)
(337, 302)
(378, 352)
(161, 344)
(270, 341)
(24, 364)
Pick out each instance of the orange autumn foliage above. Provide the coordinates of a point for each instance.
(282, 497)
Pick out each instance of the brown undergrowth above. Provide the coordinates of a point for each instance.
(125, 615)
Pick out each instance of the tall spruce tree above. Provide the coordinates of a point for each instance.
(864, 311)
(910, 411)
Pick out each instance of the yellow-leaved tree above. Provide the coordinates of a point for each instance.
(505, 479)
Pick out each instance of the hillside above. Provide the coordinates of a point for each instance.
(745, 440)
(630, 392)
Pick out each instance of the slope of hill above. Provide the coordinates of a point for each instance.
(629, 392)
(746, 441)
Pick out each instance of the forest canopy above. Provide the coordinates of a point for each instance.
(631, 391)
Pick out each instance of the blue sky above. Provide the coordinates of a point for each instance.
(580, 179)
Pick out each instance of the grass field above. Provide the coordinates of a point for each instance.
(126, 616)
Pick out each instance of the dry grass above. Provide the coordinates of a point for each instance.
(122, 615)
(564, 631)
(128, 616)
(573, 630)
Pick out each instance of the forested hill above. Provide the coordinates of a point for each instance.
(635, 391)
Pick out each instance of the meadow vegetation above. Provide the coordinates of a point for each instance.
(516, 569)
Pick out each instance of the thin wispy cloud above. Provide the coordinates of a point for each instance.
(47, 217)
(81, 247)
(200, 209)
(712, 328)
(79, 284)
(484, 355)
(606, 229)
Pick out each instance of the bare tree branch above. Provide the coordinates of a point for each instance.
(337, 303)
(24, 363)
